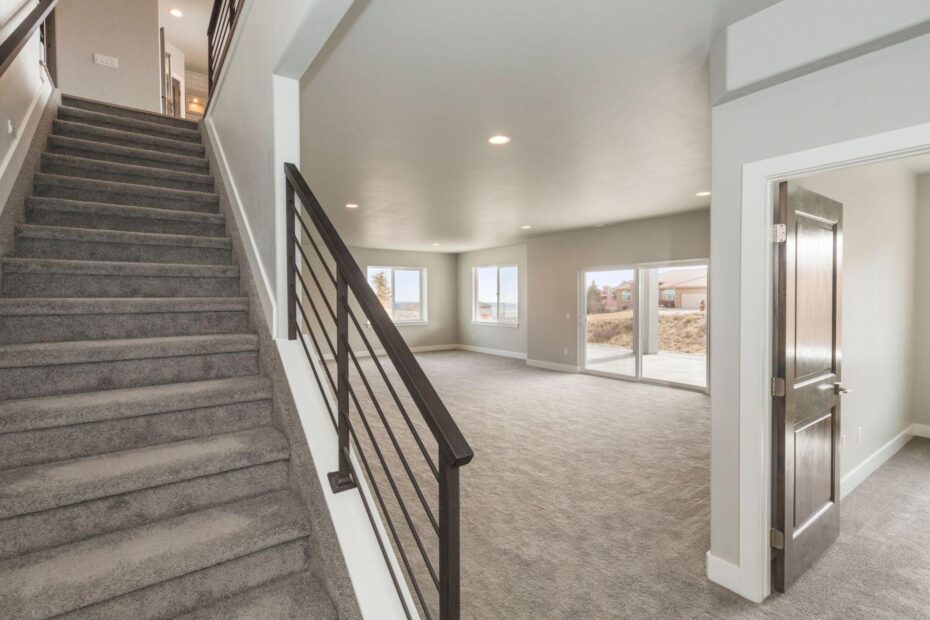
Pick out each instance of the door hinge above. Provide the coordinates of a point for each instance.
(777, 539)
(778, 386)
(779, 233)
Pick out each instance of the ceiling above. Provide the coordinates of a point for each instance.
(606, 102)
(187, 33)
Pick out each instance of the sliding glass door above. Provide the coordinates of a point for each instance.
(674, 324)
(647, 322)
(609, 304)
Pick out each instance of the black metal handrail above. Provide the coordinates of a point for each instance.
(223, 22)
(308, 319)
(11, 47)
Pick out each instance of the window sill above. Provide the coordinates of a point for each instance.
(403, 323)
(495, 324)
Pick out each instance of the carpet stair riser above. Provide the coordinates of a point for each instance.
(68, 524)
(131, 559)
(71, 442)
(30, 247)
(101, 285)
(127, 139)
(62, 145)
(65, 327)
(210, 585)
(113, 110)
(50, 213)
(132, 125)
(118, 174)
(84, 190)
(32, 381)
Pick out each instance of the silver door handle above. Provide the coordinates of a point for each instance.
(839, 388)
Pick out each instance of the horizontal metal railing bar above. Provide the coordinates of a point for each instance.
(453, 445)
(319, 287)
(313, 243)
(316, 346)
(387, 517)
(332, 347)
(371, 519)
(390, 478)
(390, 386)
(393, 438)
(367, 343)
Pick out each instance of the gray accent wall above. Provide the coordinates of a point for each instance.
(505, 339)
(441, 328)
(555, 262)
(126, 30)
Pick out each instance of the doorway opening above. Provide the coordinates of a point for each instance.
(853, 367)
(646, 322)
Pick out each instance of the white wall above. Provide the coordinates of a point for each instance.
(878, 320)
(441, 291)
(498, 338)
(126, 30)
(22, 95)
(555, 260)
(254, 122)
(878, 92)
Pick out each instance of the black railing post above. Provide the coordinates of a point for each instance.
(341, 480)
(450, 586)
(290, 210)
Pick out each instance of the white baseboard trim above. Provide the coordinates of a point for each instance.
(552, 366)
(870, 465)
(13, 161)
(262, 284)
(499, 352)
(723, 573)
(921, 430)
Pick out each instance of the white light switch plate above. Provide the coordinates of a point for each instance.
(106, 61)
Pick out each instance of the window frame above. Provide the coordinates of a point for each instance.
(474, 293)
(424, 305)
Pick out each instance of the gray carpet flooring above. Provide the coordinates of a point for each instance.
(588, 498)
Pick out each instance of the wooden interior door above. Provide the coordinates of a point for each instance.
(807, 384)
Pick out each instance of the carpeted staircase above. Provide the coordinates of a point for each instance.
(140, 476)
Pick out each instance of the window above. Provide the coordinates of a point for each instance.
(496, 295)
(668, 294)
(401, 291)
(626, 295)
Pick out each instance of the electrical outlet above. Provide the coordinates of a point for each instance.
(103, 60)
(473, 337)
(565, 352)
(859, 434)
(10, 127)
(568, 316)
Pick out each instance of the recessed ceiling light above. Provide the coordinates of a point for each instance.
(499, 139)
(435, 244)
(351, 205)
(526, 227)
(703, 194)
(176, 12)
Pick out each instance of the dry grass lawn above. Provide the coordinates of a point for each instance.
(679, 331)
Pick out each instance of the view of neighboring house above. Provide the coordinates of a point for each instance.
(401, 310)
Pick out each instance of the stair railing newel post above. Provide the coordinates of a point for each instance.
(450, 589)
(291, 263)
(342, 480)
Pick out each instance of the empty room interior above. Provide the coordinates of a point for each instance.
(397, 309)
